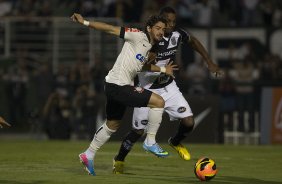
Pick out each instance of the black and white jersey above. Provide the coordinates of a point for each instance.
(166, 51)
(132, 57)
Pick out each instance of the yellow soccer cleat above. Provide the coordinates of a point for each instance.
(118, 166)
(181, 150)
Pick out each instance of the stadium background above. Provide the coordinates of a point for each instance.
(52, 70)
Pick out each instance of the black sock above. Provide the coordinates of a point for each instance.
(181, 134)
(127, 144)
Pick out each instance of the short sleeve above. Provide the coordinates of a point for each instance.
(122, 31)
(185, 36)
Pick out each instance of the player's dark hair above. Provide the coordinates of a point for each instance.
(153, 20)
(166, 9)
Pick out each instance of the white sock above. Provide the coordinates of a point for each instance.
(155, 119)
(101, 136)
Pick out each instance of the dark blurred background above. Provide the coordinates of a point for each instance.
(52, 70)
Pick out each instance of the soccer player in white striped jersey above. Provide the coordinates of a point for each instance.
(175, 104)
(119, 89)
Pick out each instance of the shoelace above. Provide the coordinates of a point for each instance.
(159, 148)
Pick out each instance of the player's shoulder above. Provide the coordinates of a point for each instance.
(130, 29)
(135, 31)
(181, 31)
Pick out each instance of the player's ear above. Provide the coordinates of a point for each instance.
(148, 29)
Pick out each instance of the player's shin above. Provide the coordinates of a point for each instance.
(101, 136)
(127, 144)
(155, 119)
(183, 130)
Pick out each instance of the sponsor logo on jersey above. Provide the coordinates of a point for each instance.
(168, 53)
(161, 43)
(139, 89)
(181, 109)
(140, 58)
(144, 122)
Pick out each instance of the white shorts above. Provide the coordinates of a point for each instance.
(175, 105)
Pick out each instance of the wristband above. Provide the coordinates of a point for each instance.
(163, 69)
(86, 23)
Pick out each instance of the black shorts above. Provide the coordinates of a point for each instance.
(120, 97)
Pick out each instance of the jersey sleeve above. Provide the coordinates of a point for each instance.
(185, 36)
(130, 34)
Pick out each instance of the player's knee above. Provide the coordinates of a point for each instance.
(188, 121)
(160, 103)
(113, 124)
(156, 101)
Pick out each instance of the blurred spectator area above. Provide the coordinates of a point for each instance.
(204, 13)
(40, 56)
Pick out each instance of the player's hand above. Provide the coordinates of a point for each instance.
(218, 73)
(76, 17)
(3, 123)
(170, 68)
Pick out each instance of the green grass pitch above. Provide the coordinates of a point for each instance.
(47, 162)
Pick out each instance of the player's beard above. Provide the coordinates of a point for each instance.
(159, 37)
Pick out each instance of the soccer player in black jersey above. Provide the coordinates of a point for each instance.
(175, 104)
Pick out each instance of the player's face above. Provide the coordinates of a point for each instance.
(171, 21)
(157, 31)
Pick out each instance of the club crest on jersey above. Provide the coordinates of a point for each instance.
(173, 41)
(139, 89)
(140, 58)
(181, 109)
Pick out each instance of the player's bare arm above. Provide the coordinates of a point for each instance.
(151, 58)
(197, 46)
(3, 123)
(168, 69)
(101, 26)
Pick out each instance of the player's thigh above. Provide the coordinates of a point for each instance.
(177, 107)
(134, 96)
(156, 101)
(114, 109)
(140, 118)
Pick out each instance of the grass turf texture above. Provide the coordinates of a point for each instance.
(47, 162)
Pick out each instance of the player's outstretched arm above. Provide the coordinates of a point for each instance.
(101, 26)
(3, 123)
(197, 46)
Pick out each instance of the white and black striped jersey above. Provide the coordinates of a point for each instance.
(132, 57)
(166, 51)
